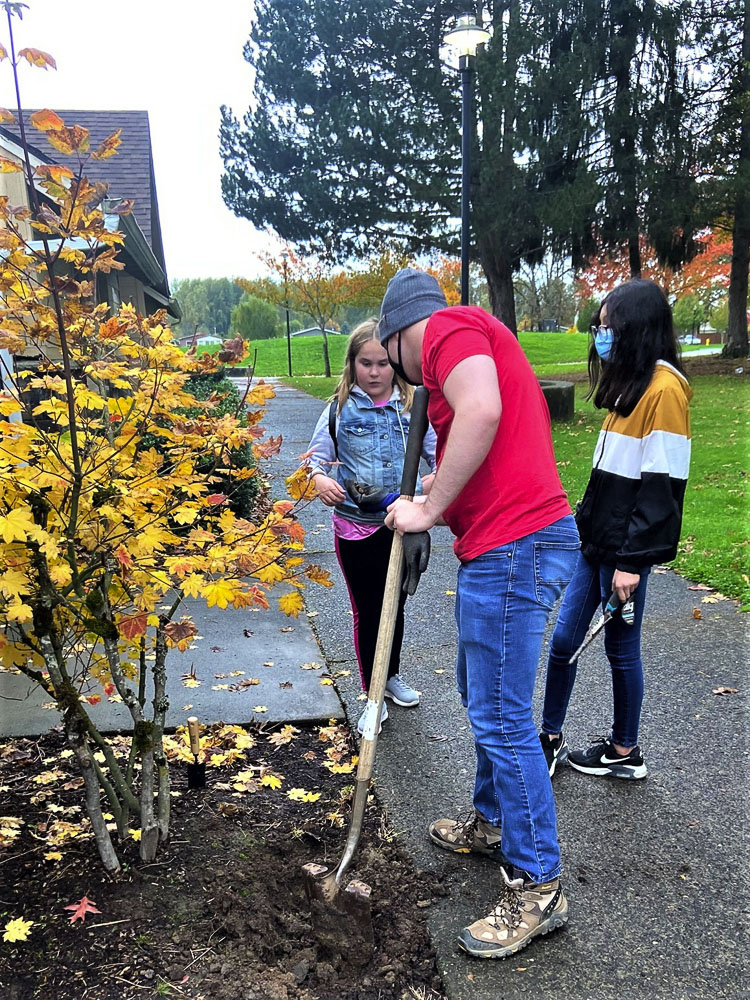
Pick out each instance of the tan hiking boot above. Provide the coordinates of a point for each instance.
(469, 835)
(523, 911)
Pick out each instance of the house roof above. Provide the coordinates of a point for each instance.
(129, 174)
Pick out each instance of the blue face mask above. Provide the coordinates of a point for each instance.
(604, 340)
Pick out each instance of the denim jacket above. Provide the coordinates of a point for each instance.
(372, 442)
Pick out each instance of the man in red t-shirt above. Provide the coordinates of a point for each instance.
(498, 490)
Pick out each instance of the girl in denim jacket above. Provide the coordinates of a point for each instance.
(372, 421)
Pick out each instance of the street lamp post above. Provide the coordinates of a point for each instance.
(466, 37)
(285, 257)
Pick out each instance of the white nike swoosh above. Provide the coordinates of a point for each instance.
(617, 760)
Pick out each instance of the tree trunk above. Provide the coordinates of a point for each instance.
(499, 274)
(634, 255)
(737, 339)
(326, 356)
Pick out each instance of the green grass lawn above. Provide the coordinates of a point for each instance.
(551, 354)
(715, 546)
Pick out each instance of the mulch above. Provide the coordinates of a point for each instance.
(221, 913)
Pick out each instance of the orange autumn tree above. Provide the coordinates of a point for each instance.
(102, 534)
(307, 285)
(706, 275)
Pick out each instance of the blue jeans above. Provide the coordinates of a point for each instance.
(503, 601)
(588, 591)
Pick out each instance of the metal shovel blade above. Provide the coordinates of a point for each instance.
(196, 774)
(342, 918)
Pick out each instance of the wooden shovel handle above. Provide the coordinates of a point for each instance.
(417, 430)
(194, 730)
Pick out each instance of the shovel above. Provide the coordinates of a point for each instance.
(196, 771)
(341, 915)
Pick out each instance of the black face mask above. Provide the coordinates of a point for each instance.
(398, 366)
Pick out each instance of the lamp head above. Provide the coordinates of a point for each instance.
(467, 35)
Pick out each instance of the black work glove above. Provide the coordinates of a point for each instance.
(368, 498)
(416, 546)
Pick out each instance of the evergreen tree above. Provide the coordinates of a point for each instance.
(728, 97)
(353, 135)
(651, 167)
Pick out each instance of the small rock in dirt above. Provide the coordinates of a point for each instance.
(325, 972)
(148, 973)
(226, 968)
(424, 903)
(300, 971)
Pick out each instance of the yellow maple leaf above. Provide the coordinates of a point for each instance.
(135, 834)
(220, 593)
(260, 708)
(61, 574)
(191, 682)
(13, 583)
(18, 930)
(16, 525)
(271, 780)
(341, 768)
(9, 405)
(53, 856)
(302, 795)
(18, 612)
(300, 486)
(291, 604)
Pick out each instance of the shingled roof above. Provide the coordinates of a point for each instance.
(129, 174)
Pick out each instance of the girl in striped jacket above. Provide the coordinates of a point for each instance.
(630, 516)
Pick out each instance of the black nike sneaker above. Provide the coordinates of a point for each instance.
(555, 751)
(602, 759)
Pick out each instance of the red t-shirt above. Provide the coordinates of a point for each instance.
(517, 489)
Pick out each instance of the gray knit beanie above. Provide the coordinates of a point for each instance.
(411, 295)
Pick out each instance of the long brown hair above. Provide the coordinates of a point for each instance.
(362, 333)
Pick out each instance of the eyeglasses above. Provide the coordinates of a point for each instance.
(599, 329)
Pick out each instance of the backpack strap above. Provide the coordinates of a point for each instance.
(332, 425)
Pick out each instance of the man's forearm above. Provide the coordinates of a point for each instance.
(469, 441)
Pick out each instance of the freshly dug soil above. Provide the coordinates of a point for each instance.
(221, 914)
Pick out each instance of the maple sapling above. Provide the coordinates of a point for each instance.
(102, 535)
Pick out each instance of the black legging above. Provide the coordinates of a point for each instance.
(364, 563)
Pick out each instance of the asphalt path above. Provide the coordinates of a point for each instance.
(655, 871)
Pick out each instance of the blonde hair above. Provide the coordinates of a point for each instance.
(362, 333)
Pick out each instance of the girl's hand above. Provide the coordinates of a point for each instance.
(427, 482)
(329, 491)
(624, 584)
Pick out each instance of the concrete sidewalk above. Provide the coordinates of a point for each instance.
(655, 870)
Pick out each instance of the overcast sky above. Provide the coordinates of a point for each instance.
(177, 59)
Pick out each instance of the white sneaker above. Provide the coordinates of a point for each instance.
(361, 723)
(400, 692)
